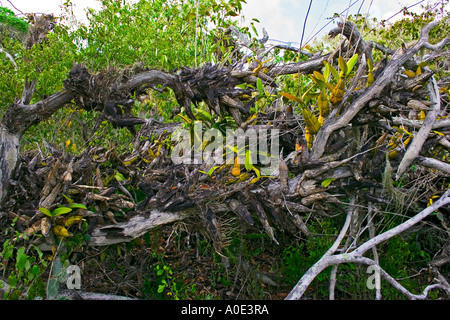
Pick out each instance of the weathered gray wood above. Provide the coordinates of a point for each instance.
(422, 135)
(434, 164)
(136, 227)
(9, 156)
(386, 77)
(356, 256)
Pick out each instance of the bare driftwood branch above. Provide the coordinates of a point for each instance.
(374, 249)
(324, 262)
(328, 259)
(417, 124)
(136, 227)
(422, 135)
(82, 295)
(433, 163)
(385, 78)
(351, 32)
(313, 64)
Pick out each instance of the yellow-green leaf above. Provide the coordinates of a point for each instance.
(211, 171)
(78, 206)
(351, 63)
(248, 161)
(319, 76)
(70, 221)
(61, 231)
(370, 65)
(342, 66)
(291, 97)
(332, 70)
(326, 72)
(306, 93)
(370, 79)
(260, 86)
(325, 183)
(60, 211)
(46, 212)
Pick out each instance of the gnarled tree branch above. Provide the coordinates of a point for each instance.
(385, 78)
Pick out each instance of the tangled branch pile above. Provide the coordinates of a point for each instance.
(381, 143)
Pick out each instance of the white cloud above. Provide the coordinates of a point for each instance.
(283, 19)
(50, 6)
(272, 15)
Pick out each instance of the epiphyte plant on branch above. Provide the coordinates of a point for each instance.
(323, 81)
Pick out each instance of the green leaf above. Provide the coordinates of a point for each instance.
(21, 259)
(78, 206)
(260, 86)
(342, 65)
(369, 65)
(70, 201)
(8, 250)
(257, 171)
(211, 171)
(291, 97)
(231, 13)
(332, 70)
(119, 177)
(326, 72)
(203, 116)
(46, 212)
(234, 148)
(325, 183)
(351, 63)
(248, 161)
(35, 270)
(60, 211)
(12, 281)
(254, 29)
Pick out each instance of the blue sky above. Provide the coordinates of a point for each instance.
(283, 19)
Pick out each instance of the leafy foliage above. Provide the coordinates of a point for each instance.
(9, 20)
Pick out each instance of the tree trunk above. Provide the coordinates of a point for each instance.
(9, 156)
(16, 120)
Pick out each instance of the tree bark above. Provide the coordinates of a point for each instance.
(17, 119)
(9, 156)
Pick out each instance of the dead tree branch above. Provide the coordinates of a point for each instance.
(422, 135)
(374, 91)
(328, 259)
